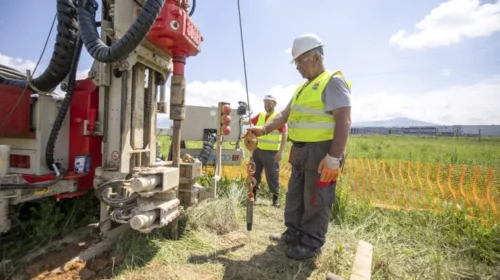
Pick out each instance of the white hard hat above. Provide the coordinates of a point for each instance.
(270, 97)
(304, 43)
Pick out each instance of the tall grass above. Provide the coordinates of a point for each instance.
(407, 244)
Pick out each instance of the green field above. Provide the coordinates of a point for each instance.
(448, 150)
(407, 244)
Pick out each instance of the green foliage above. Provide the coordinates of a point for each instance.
(44, 220)
(446, 150)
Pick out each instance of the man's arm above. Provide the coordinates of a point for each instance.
(279, 120)
(342, 127)
(283, 138)
(337, 98)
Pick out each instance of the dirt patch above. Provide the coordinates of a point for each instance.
(62, 265)
(43, 267)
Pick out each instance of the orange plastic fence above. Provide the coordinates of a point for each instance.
(427, 186)
(416, 185)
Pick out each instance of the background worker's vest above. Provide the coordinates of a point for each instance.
(308, 121)
(271, 141)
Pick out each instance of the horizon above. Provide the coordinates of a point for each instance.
(165, 117)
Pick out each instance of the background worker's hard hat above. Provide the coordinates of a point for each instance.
(270, 97)
(304, 43)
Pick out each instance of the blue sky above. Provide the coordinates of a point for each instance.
(445, 72)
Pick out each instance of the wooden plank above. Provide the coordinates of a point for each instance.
(331, 276)
(362, 267)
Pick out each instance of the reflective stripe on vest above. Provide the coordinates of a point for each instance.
(308, 121)
(271, 141)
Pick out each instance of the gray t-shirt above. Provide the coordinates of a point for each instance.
(335, 95)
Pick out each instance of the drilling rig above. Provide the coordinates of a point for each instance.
(102, 135)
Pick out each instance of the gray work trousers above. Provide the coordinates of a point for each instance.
(264, 161)
(308, 206)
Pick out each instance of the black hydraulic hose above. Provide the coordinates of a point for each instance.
(49, 152)
(119, 203)
(130, 40)
(193, 7)
(31, 186)
(64, 48)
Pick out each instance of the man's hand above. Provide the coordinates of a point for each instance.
(329, 169)
(278, 156)
(257, 130)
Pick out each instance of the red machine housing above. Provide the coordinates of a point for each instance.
(175, 33)
(15, 112)
(82, 139)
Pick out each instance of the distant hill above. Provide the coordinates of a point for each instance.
(396, 122)
(163, 121)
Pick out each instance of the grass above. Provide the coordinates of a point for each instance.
(407, 244)
(216, 245)
(446, 150)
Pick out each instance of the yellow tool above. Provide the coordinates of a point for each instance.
(250, 142)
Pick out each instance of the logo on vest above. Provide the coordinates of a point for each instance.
(315, 86)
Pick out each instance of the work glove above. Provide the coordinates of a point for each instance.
(329, 169)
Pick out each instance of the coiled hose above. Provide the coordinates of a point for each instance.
(64, 48)
(49, 152)
(132, 38)
(208, 146)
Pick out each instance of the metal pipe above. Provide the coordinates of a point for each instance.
(177, 106)
(162, 103)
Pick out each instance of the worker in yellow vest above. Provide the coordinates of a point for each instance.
(269, 150)
(318, 119)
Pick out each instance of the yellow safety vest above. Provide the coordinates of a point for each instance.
(308, 121)
(271, 141)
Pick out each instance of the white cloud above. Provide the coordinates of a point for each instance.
(288, 51)
(450, 23)
(19, 64)
(212, 92)
(82, 74)
(471, 104)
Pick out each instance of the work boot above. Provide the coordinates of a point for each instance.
(301, 252)
(289, 237)
(276, 202)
